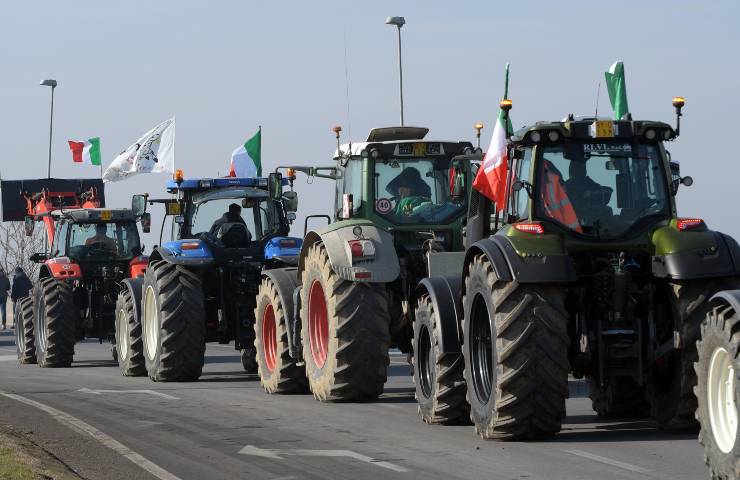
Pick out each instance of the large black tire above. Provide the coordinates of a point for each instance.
(670, 388)
(55, 320)
(438, 377)
(173, 323)
(248, 357)
(621, 397)
(345, 330)
(516, 355)
(25, 345)
(720, 331)
(277, 369)
(129, 343)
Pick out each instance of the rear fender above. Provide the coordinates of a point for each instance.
(286, 281)
(191, 253)
(384, 268)
(446, 296)
(730, 297)
(137, 266)
(61, 268)
(692, 255)
(509, 266)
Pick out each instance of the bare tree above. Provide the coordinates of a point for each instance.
(16, 247)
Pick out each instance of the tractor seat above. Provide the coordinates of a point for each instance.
(234, 235)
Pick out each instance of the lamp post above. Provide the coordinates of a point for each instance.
(398, 22)
(50, 83)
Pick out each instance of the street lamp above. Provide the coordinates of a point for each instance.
(50, 83)
(399, 22)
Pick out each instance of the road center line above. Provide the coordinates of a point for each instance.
(608, 461)
(110, 442)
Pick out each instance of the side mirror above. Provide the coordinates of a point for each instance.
(687, 181)
(275, 185)
(39, 257)
(28, 225)
(290, 201)
(457, 184)
(138, 205)
(146, 222)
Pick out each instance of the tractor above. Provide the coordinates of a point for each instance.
(328, 323)
(90, 251)
(201, 286)
(587, 270)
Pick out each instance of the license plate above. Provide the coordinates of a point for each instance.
(106, 215)
(173, 208)
(603, 129)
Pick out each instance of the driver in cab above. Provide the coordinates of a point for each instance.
(410, 191)
(101, 237)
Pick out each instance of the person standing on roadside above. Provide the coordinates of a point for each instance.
(4, 287)
(21, 285)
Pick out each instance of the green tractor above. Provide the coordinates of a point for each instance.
(587, 270)
(328, 324)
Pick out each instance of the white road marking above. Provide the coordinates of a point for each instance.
(276, 455)
(8, 358)
(110, 442)
(147, 392)
(608, 461)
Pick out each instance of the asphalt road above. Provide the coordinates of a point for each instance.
(102, 425)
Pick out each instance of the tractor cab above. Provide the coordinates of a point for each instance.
(595, 178)
(400, 180)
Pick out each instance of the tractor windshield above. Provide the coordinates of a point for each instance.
(103, 241)
(415, 191)
(601, 189)
(253, 209)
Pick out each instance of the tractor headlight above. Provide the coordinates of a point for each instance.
(553, 135)
(650, 134)
(535, 137)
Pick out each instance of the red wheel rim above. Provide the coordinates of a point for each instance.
(269, 337)
(318, 324)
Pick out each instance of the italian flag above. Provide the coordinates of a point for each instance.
(490, 180)
(246, 160)
(87, 151)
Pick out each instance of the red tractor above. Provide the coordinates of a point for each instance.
(91, 252)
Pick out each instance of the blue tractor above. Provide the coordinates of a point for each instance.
(201, 286)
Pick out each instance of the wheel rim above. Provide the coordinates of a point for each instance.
(19, 332)
(481, 350)
(151, 326)
(318, 324)
(122, 334)
(425, 362)
(721, 400)
(269, 337)
(42, 326)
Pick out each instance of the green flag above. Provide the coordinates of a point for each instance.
(246, 160)
(617, 88)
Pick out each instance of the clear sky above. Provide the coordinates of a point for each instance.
(225, 67)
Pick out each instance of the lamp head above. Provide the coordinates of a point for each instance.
(48, 83)
(397, 21)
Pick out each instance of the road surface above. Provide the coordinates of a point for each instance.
(103, 425)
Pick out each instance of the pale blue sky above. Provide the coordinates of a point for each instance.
(225, 67)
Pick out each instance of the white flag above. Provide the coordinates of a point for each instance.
(154, 152)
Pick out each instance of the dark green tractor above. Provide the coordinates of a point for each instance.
(329, 323)
(588, 270)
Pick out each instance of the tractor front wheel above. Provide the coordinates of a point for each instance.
(717, 391)
(516, 355)
(24, 337)
(345, 330)
(173, 320)
(55, 320)
(438, 377)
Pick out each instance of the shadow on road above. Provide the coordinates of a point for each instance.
(399, 371)
(94, 363)
(222, 359)
(396, 395)
(228, 377)
(7, 343)
(577, 389)
(590, 428)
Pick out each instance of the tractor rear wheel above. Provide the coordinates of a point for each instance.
(670, 388)
(278, 371)
(621, 397)
(345, 330)
(440, 385)
(516, 355)
(173, 322)
(717, 391)
(129, 343)
(24, 338)
(55, 321)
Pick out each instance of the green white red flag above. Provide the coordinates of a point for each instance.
(246, 160)
(86, 151)
(490, 180)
